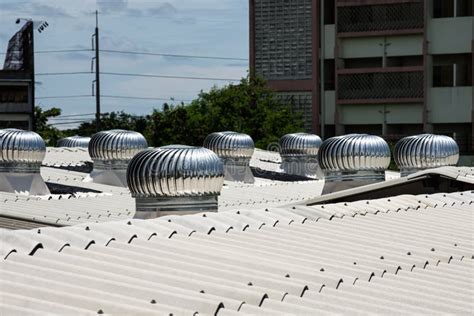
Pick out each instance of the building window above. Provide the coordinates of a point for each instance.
(404, 61)
(369, 62)
(300, 103)
(329, 11)
(443, 76)
(453, 70)
(283, 39)
(372, 18)
(380, 85)
(464, 8)
(14, 124)
(13, 94)
(452, 8)
(329, 75)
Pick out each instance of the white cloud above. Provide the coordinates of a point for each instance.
(135, 25)
(33, 8)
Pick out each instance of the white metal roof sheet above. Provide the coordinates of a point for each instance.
(115, 203)
(409, 256)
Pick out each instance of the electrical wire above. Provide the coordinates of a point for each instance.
(63, 51)
(73, 122)
(143, 98)
(166, 76)
(171, 55)
(115, 51)
(56, 51)
(75, 115)
(66, 119)
(112, 96)
(65, 96)
(135, 75)
(64, 73)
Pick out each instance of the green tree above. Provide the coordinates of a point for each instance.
(113, 120)
(247, 107)
(49, 133)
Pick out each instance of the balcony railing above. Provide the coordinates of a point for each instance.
(376, 18)
(380, 85)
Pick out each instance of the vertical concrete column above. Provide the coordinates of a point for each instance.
(428, 69)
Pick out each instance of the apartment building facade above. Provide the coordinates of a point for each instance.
(386, 67)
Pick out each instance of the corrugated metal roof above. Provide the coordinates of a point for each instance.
(403, 254)
(74, 158)
(464, 175)
(115, 203)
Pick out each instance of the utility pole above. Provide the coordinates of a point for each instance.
(33, 118)
(97, 74)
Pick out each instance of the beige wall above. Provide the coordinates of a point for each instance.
(329, 106)
(373, 114)
(450, 35)
(364, 47)
(450, 105)
(447, 105)
(329, 41)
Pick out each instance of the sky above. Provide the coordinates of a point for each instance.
(187, 27)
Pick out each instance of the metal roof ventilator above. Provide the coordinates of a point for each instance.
(299, 154)
(425, 151)
(175, 179)
(235, 150)
(21, 155)
(353, 160)
(74, 141)
(111, 151)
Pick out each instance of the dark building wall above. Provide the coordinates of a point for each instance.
(284, 41)
(17, 81)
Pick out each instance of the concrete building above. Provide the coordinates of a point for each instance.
(16, 81)
(386, 67)
(16, 103)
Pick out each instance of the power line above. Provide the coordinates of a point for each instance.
(167, 76)
(143, 98)
(135, 75)
(115, 51)
(96, 83)
(64, 73)
(76, 115)
(56, 51)
(73, 122)
(63, 51)
(171, 55)
(66, 119)
(112, 96)
(65, 96)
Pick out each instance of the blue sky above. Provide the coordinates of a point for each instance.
(190, 27)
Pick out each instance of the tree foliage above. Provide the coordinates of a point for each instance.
(49, 133)
(113, 120)
(247, 107)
